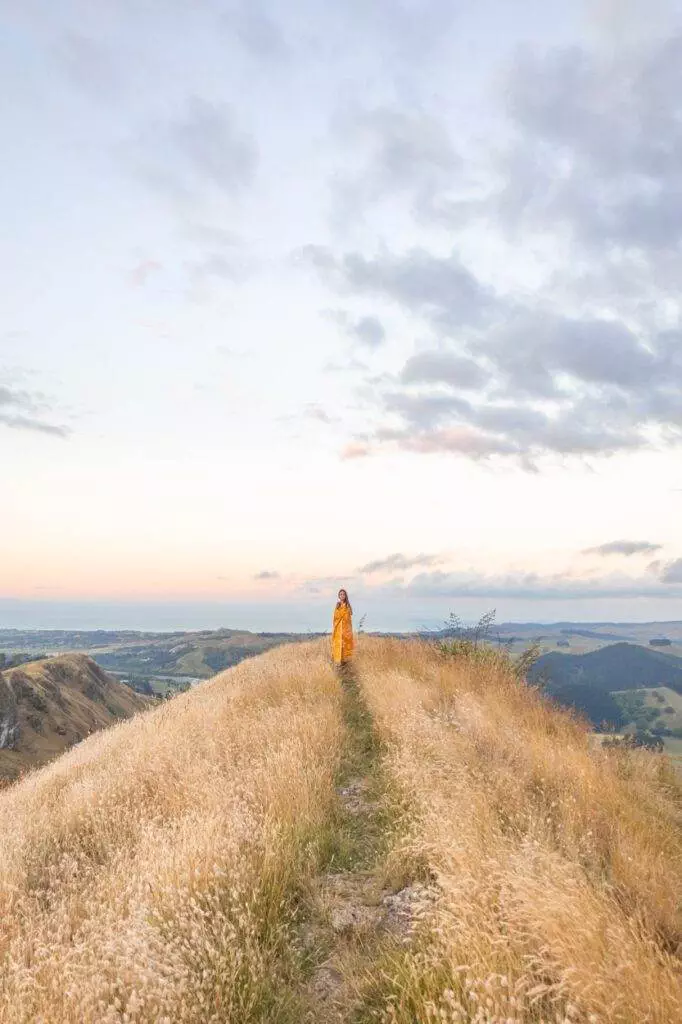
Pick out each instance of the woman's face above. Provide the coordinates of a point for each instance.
(343, 596)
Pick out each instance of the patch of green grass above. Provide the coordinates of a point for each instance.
(356, 841)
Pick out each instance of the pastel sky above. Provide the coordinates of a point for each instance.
(298, 294)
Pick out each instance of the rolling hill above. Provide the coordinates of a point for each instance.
(594, 683)
(619, 666)
(421, 837)
(48, 705)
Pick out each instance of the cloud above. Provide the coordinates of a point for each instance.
(311, 411)
(267, 574)
(215, 255)
(589, 363)
(210, 141)
(532, 348)
(533, 586)
(254, 25)
(12, 397)
(453, 441)
(316, 412)
(20, 410)
(599, 138)
(442, 367)
(369, 330)
(439, 288)
(29, 423)
(355, 450)
(200, 151)
(624, 547)
(88, 64)
(398, 562)
(403, 35)
(672, 572)
(542, 382)
(321, 584)
(421, 410)
(396, 154)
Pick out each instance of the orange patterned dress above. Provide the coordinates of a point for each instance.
(342, 634)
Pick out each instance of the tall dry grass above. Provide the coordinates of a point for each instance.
(150, 874)
(558, 867)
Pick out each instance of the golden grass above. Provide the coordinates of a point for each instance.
(150, 874)
(558, 867)
(155, 873)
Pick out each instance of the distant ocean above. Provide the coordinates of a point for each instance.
(312, 616)
(172, 616)
(158, 616)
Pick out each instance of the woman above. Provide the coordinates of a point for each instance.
(342, 633)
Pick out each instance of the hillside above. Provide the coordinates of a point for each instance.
(617, 667)
(423, 839)
(48, 705)
(654, 708)
(590, 682)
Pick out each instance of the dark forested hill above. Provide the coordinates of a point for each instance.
(586, 682)
(617, 667)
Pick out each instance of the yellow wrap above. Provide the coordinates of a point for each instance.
(342, 634)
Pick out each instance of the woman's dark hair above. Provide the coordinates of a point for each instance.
(338, 603)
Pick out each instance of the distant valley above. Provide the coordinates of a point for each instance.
(152, 663)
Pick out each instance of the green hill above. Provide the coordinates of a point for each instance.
(587, 682)
(616, 667)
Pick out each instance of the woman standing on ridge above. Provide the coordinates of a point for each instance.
(342, 633)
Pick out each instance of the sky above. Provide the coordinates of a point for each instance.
(381, 294)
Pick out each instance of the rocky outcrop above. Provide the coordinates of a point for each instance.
(9, 730)
(9, 723)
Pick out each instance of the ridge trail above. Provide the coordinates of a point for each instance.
(353, 916)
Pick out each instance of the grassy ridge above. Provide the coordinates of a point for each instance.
(166, 871)
(151, 874)
(559, 868)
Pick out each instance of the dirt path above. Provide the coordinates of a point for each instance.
(353, 918)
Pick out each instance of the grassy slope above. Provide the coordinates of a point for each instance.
(55, 703)
(162, 871)
(559, 866)
(152, 873)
